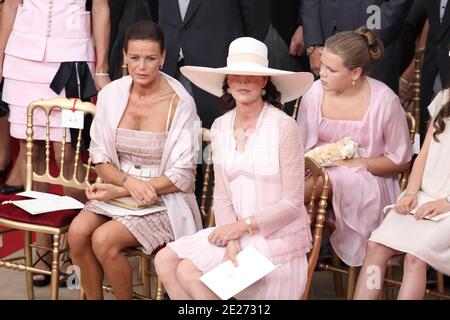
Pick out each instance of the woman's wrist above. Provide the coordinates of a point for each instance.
(410, 193)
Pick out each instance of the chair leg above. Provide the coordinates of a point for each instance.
(390, 289)
(159, 290)
(82, 293)
(28, 262)
(337, 276)
(440, 282)
(351, 282)
(144, 273)
(140, 275)
(54, 283)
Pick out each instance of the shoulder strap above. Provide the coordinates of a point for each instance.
(170, 112)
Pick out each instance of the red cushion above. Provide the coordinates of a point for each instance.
(53, 219)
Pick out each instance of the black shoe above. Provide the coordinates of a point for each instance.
(7, 189)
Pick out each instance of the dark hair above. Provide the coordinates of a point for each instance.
(272, 96)
(144, 30)
(359, 48)
(439, 120)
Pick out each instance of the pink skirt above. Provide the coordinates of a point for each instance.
(285, 283)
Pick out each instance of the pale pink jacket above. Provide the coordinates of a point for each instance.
(278, 169)
(178, 158)
(52, 31)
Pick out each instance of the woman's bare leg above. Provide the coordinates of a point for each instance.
(82, 254)
(414, 279)
(5, 139)
(108, 243)
(371, 277)
(17, 176)
(166, 264)
(188, 276)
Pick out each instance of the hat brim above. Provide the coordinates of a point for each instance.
(291, 85)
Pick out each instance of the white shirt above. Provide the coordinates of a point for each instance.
(442, 9)
(183, 4)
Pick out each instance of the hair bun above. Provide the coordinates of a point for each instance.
(374, 44)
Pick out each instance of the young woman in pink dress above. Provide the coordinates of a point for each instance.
(45, 45)
(425, 242)
(259, 169)
(345, 102)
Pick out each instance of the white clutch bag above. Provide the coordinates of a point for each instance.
(328, 154)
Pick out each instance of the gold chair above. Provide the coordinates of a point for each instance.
(316, 211)
(146, 273)
(55, 224)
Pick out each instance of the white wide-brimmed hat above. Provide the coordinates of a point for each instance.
(248, 56)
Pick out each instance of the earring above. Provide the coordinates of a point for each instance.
(228, 91)
(263, 92)
(353, 82)
(160, 67)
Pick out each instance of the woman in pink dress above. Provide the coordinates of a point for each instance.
(258, 167)
(46, 47)
(348, 103)
(143, 137)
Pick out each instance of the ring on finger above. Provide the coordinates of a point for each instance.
(218, 243)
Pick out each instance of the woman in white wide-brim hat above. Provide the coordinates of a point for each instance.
(259, 173)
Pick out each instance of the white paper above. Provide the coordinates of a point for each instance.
(423, 198)
(120, 211)
(416, 145)
(226, 280)
(38, 195)
(38, 206)
(72, 119)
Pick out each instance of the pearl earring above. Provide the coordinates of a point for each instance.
(263, 92)
(353, 82)
(228, 91)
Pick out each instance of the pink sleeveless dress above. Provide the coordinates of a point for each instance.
(140, 155)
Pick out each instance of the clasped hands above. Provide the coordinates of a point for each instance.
(141, 191)
(228, 236)
(429, 209)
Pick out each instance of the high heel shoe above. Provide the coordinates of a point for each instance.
(7, 189)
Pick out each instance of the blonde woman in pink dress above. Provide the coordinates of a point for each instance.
(348, 103)
(258, 167)
(425, 242)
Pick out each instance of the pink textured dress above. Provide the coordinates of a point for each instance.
(45, 34)
(140, 155)
(240, 176)
(359, 196)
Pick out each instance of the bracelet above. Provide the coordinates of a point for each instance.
(248, 222)
(101, 74)
(411, 193)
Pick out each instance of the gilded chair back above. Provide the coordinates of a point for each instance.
(418, 57)
(404, 176)
(73, 181)
(316, 210)
(206, 200)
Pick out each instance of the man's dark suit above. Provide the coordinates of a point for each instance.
(323, 18)
(208, 28)
(436, 59)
